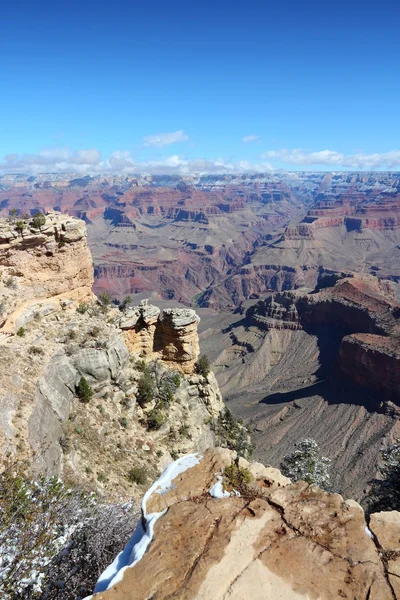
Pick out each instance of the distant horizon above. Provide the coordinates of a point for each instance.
(177, 175)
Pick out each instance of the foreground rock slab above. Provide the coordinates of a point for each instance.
(275, 541)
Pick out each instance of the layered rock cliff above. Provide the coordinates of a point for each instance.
(213, 528)
(362, 310)
(40, 266)
(170, 335)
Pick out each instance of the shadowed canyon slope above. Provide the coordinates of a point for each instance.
(218, 240)
(323, 365)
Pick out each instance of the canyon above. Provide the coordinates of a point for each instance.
(217, 240)
(321, 364)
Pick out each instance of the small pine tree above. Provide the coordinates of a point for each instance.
(105, 299)
(145, 390)
(385, 492)
(306, 464)
(20, 226)
(125, 303)
(38, 220)
(203, 365)
(84, 391)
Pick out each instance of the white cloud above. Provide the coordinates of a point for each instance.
(90, 162)
(331, 158)
(249, 138)
(165, 139)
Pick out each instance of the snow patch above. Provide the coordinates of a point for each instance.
(143, 534)
(217, 490)
(369, 532)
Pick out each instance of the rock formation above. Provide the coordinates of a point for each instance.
(170, 336)
(361, 306)
(55, 332)
(40, 267)
(271, 540)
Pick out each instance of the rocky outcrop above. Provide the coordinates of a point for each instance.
(200, 539)
(41, 267)
(63, 334)
(170, 335)
(362, 310)
(372, 361)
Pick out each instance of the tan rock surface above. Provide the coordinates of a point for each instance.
(273, 543)
(170, 336)
(37, 266)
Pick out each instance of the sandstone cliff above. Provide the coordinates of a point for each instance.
(170, 336)
(42, 266)
(55, 332)
(200, 538)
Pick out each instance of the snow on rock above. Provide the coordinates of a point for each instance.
(143, 534)
(217, 490)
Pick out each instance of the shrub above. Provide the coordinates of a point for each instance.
(141, 366)
(21, 332)
(82, 307)
(232, 434)
(237, 478)
(94, 331)
(184, 430)
(13, 213)
(36, 350)
(124, 422)
(102, 477)
(145, 390)
(155, 419)
(306, 464)
(385, 493)
(202, 366)
(20, 226)
(138, 475)
(176, 380)
(38, 220)
(55, 540)
(104, 300)
(10, 282)
(84, 391)
(125, 303)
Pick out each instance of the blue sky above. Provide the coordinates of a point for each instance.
(199, 85)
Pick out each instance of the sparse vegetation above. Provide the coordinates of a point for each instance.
(145, 390)
(385, 492)
(36, 350)
(55, 539)
(306, 464)
(138, 475)
(123, 422)
(20, 226)
(82, 307)
(202, 366)
(155, 419)
(10, 282)
(21, 332)
(39, 220)
(232, 434)
(125, 303)
(104, 300)
(84, 391)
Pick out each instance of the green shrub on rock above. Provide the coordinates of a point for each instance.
(84, 391)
